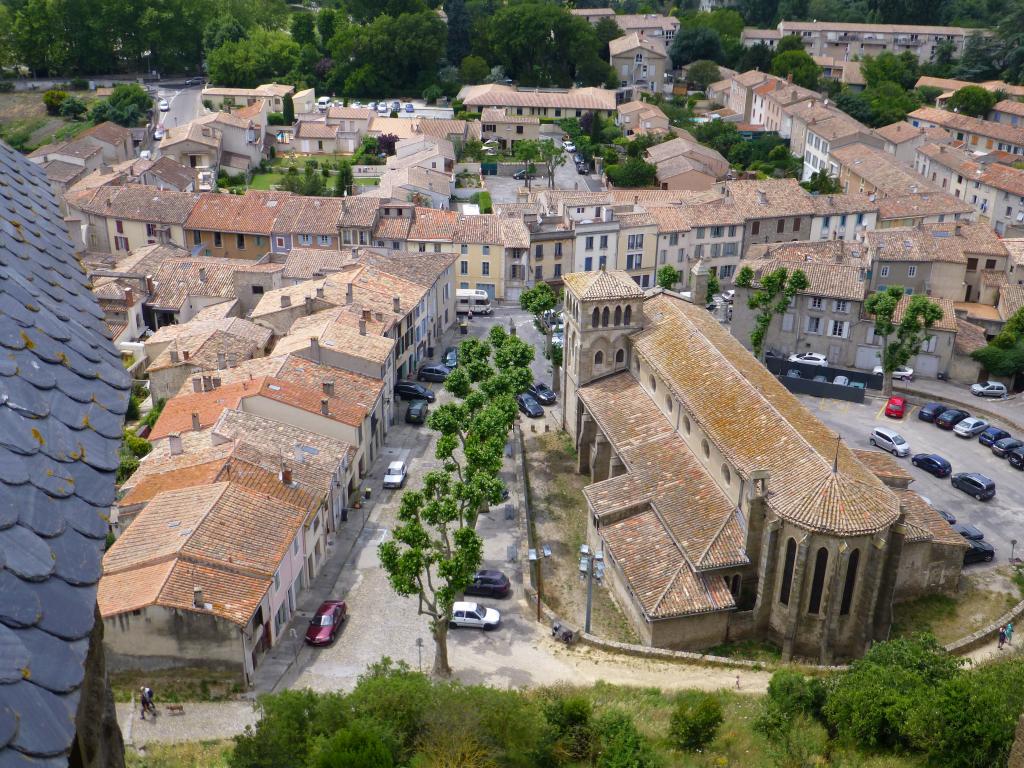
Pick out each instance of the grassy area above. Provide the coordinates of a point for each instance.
(747, 649)
(265, 180)
(371, 181)
(174, 685)
(25, 125)
(979, 602)
(560, 513)
(191, 754)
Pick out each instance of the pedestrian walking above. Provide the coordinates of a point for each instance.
(1002, 637)
(146, 699)
(1009, 633)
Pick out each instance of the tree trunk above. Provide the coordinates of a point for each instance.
(886, 375)
(441, 668)
(556, 378)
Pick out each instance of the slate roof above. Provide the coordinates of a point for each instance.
(63, 394)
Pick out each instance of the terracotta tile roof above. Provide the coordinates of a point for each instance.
(199, 326)
(249, 468)
(338, 329)
(170, 171)
(496, 95)
(309, 263)
(423, 269)
(136, 202)
(445, 128)
(315, 129)
(850, 202)
(108, 132)
(298, 394)
(920, 206)
(433, 224)
(969, 337)
(633, 41)
(357, 393)
(650, 198)
(820, 252)
(349, 113)
(1010, 107)
(177, 413)
(953, 121)
(946, 323)
(1011, 299)
(832, 281)
(309, 215)
(178, 280)
(492, 229)
(359, 212)
(205, 351)
(881, 170)
(61, 172)
(245, 370)
(934, 242)
(770, 198)
(250, 111)
(897, 133)
(924, 523)
(251, 213)
(883, 466)
(789, 27)
(734, 399)
(172, 473)
(392, 228)
(501, 115)
(80, 149)
(600, 285)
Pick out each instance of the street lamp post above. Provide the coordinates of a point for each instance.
(1013, 546)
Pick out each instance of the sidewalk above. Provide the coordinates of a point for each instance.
(1010, 410)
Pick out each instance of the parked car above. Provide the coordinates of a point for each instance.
(568, 146)
(1016, 458)
(159, 133)
(396, 106)
(164, 106)
(1002, 447)
(410, 390)
(416, 413)
(809, 358)
(950, 417)
(972, 426)
(890, 441)
(822, 378)
(902, 373)
(988, 389)
(857, 384)
(794, 373)
(582, 169)
(409, 107)
(557, 338)
(980, 552)
(474, 615)
(433, 373)
(395, 476)
(728, 296)
(489, 584)
(529, 406)
(931, 411)
(947, 517)
(451, 357)
(896, 407)
(969, 532)
(991, 435)
(542, 393)
(382, 108)
(192, 82)
(932, 463)
(841, 380)
(974, 484)
(326, 622)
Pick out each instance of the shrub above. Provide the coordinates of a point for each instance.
(695, 721)
(73, 108)
(132, 414)
(6, 86)
(276, 118)
(137, 446)
(622, 745)
(570, 718)
(432, 93)
(79, 84)
(52, 99)
(361, 744)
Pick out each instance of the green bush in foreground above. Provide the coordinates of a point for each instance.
(695, 721)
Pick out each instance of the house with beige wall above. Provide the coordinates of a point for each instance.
(226, 99)
(640, 118)
(508, 129)
(119, 219)
(548, 102)
(640, 63)
(234, 226)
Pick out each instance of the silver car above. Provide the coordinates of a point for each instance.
(988, 389)
(890, 441)
(970, 427)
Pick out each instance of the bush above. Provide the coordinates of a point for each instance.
(6, 86)
(73, 108)
(432, 93)
(483, 199)
(695, 721)
(622, 745)
(570, 718)
(79, 84)
(276, 118)
(52, 99)
(137, 446)
(132, 414)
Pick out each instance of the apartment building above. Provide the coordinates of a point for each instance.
(508, 129)
(950, 86)
(641, 63)
(229, 98)
(994, 190)
(686, 164)
(1008, 111)
(818, 131)
(234, 226)
(307, 223)
(849, 40)
(903, 139)
(976, 134)
(539, 102)
(773, 210)
(640, 118)
(119, 219)
(711, 233)
(741, 92)
(652, 25)
(774, 101)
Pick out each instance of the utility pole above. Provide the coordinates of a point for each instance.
(590, 591)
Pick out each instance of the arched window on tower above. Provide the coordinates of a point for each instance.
(818, 582)
(604, 318)
(628, 315)
(599, 358)
(787, 572)
(618, 316)
(851, 582)
(620, 356)
(595, 318)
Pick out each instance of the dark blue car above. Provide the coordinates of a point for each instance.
(930, 411)
(992, 434)
(933, 463)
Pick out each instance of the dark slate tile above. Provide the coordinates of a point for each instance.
(13, 469)
(10, 758)
(14, 657)
(54, 664)
(47, 723)
(19, 604)
(15, 310)
(67, 610)
(94, 449)
(78, 558)
(43, 347)
(18, 433)
(85, 349)
(8, 727)
(35, 372)
(52, 327)
(17, 393)
(85, 518)
(113, 398)
(8, 367)
(36, 511)
(71, 384)
(84, 368)
(10, 335)
(93, 486)
(26, 554)
(52, 476)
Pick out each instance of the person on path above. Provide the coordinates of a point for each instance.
(1009, 633)
(147, 701)
(1002, 637)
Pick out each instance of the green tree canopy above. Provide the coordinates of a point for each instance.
(800, 65)
(474, 70)
(634, 172)
(770, 295)
(888, 67)
(703, 73)
(695, 44)
(911, 328)
(668, 276)
(261, 57)
(972, 100)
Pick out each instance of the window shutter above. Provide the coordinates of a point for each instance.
(787, 322)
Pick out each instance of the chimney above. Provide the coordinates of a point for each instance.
(362, 326)
(150, 289)
(348, 293)
(396, 304)
(196, 425)
(320, 292)
(174, 356)
(958, 230)
(314, 348)
(174, 444)
(202, 274)
(328, 388)
(185, 355)
(207, 383)
(222, 361)
(789, 78)
(286, 301)
(366, 315)
(309, 305)
(197, 598)
(129, 297)
(325, 407)
(215, 382)
(197, 384)
(286, 475)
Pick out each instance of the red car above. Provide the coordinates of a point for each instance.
(896, 407)
(326, 622)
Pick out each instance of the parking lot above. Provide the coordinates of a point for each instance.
(504, 189)
(1000, 518)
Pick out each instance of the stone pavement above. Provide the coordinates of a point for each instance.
(200, 721)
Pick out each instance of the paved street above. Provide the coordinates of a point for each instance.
(1001, 518)
(185, 105)
(504, 189)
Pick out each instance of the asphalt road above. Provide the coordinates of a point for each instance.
(1001, 518)
(185, 105)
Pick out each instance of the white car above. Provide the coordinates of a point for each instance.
(164, 106)
(970, 427)
(728, 296)
(902, 372)
(395, 476)
(323, 103)
(890, 441)
(159, 133)
(568, 146)
(809, 358)
(382, 108)
(474, 615)
(988, 389)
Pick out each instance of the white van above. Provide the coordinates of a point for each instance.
(323, 103)
(467, 299)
